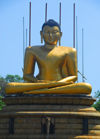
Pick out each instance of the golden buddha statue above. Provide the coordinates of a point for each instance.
(57, 67)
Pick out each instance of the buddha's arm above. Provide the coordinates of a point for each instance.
(29, 65)
(71, 66)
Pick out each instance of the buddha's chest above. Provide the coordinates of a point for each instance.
(52, 58)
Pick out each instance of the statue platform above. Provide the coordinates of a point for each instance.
(49, 117)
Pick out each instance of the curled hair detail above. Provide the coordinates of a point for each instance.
(51, 23)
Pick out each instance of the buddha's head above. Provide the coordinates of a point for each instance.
(51, 32)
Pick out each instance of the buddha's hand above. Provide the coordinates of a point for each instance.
(69, 82)
(69, 79)
(44, 81)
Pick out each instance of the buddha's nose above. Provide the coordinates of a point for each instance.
(50, 34)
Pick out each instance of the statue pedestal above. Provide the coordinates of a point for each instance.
(49, 117)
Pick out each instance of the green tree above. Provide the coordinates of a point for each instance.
(1, 103)
(2, 86)
(13, 78)
(96, 105)
(3, 82)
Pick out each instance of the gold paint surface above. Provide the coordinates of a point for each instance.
(57, 68)
(54, 65)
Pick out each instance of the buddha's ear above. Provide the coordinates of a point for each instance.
(60, 37)
(61, 34)
(41, 33)
(41, 36)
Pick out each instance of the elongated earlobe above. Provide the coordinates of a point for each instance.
(60, 38)
(41, 39)
(41, 36)
(59, 42)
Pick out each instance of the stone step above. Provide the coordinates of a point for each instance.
(85, 114)
(49, 99)
(37, 136)
(49, 108)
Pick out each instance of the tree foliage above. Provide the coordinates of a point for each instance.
(1, 103)
(2, 86)
(96, 105)
(13, 78)
(4, 81)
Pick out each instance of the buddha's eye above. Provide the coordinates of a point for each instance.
(46, 31)
(55, 31)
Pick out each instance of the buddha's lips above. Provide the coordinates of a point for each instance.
(50, 39)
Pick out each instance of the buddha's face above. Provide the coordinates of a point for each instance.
(51, 34)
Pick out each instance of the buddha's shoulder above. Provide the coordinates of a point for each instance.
(67, 49)
(33, 48)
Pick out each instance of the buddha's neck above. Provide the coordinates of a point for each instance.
(48, 46)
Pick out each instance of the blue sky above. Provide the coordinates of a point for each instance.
(11, 33)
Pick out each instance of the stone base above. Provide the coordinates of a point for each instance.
(37, 136)
(49, 117)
